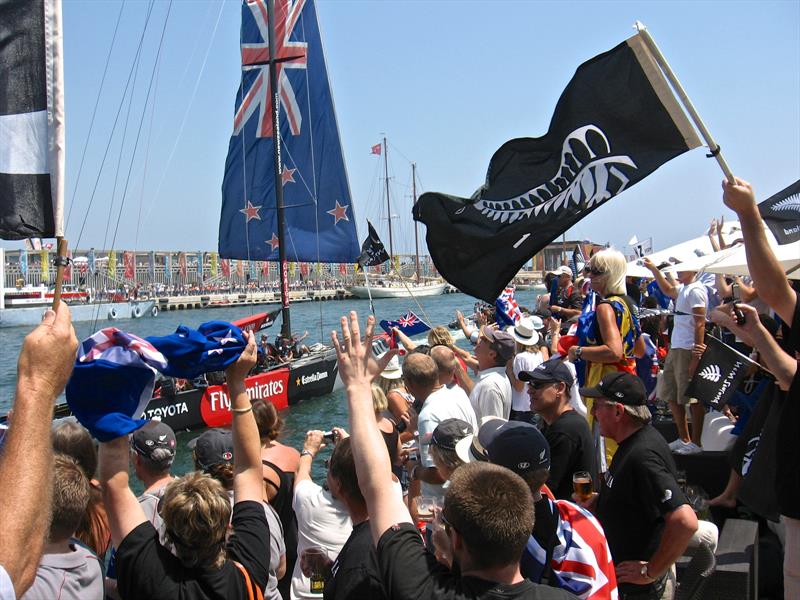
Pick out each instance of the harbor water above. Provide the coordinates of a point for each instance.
(318, 318)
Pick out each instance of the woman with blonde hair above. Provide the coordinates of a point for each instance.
(611, 340)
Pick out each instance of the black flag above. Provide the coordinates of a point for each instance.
(578, 262)
(615, 123)
(719, 372)
(31, 119)
(372, 251)
(781, 213)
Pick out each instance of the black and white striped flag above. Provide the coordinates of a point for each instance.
(31, 119)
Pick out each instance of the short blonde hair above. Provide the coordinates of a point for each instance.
(612, 264)
(196, 512)
(439, 336)
(387, 385)
(379, 400)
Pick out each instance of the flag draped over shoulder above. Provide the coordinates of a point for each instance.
(720, 371)
(31, 120)
(781, 213)
(615, 123)
(373, 252)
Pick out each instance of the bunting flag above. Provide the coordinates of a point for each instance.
(720, 371)
(226, 268)
(410, 324)
(182, 265)
(292, 268)
(111, 267)
(44, 256)
(507, 310)
(168, 267)
(304, 269)
(200, 259)
(251, 270)
(31, 120)
(781, 213)
(265, 269)
(342, 268)
(313, 175)
(129, 263)
(90, 261)
(151, 264)
(23, 265)
(240, 268)
(214, 265)
(615, 123)
(373, 251)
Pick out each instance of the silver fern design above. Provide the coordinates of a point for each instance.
(790, 203)
(711, 373)
(588, 175)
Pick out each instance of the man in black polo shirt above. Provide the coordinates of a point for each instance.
(567, 433)
(488, 510)
(645, 514)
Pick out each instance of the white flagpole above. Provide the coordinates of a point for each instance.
(684, 98)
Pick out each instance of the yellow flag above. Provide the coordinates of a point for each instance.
(45, 255)
(112, 264)
(213, 264)
(292, 267)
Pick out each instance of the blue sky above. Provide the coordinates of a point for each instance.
(447, 82)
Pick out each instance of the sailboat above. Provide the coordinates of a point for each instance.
(394, 285)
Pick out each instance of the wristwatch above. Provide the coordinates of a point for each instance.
(307, 453)
(578, 351)
(644, 572)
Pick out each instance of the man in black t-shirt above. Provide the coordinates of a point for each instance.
(487, 513)
(645, 514)
(567, 433)
(567, 302)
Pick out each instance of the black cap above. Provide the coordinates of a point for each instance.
(619, 387)
(551, 370)
(213, 447)
(154, 436)
(515, 445)
(449, 432)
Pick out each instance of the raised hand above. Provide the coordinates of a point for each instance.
(738, 197)
(237, 371)
(357, 365)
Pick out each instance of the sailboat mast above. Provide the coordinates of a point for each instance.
(416, 231)
(286, 328)
(388, 204)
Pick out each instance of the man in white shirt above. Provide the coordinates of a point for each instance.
(491, 396)
(686, 347)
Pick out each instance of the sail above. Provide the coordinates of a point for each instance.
(320, 223)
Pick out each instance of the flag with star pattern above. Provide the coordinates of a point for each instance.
(320, 224)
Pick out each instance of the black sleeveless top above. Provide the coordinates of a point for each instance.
(282, 503)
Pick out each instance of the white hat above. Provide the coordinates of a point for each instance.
(537, 321)
(524, 332)
(563, 270)
(393, 370)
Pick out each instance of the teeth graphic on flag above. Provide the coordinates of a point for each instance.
(615, 123)
(781, 213)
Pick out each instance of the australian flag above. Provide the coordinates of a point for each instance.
(320, 223)
(410, 324)
(373, 252)
(507, 312)
(615, 123)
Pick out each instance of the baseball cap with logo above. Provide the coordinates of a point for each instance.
(515, 445)
(619, 387)
(449, 432)
(213, 447)
(148, 440)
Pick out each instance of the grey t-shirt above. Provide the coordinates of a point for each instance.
(73, 575)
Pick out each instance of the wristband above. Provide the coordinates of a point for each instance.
(242, 411)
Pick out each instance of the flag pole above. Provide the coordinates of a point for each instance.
(60, 262)
(684, 98)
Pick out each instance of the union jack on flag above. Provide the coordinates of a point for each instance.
(581, 559)
(409, 324)
(507, 310)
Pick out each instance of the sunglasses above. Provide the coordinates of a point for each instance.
(537, 385)
(596, 271)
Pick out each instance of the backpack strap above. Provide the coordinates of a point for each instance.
(253, 591)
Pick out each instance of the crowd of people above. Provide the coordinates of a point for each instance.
(527, 466)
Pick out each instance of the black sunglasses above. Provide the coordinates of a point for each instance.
(596, 271)
(537, 385)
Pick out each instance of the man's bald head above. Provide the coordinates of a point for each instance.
(445, 361)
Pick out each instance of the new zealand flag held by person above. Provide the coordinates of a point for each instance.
(320, 224)
(410, 324)
(781, 213)
(615, 123)
(720, 371)
(373, 252)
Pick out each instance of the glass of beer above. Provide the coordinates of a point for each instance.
(582, 485)
(315, 560)
(425, 508)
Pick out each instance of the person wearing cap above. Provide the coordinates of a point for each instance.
(583, 564)
(687, 343)
(443, 444)
(528, 357)
(646, 516)
(491, 394)
(566, 303)
(390, 380)
(567, 432)
(152, 453)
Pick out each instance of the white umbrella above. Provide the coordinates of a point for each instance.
(788, 256)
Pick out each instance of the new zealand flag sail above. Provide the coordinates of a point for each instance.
(781, 213)
(315, 188)
(31, 119)
(615, 123)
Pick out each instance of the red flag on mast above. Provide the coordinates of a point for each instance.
(376, 149)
